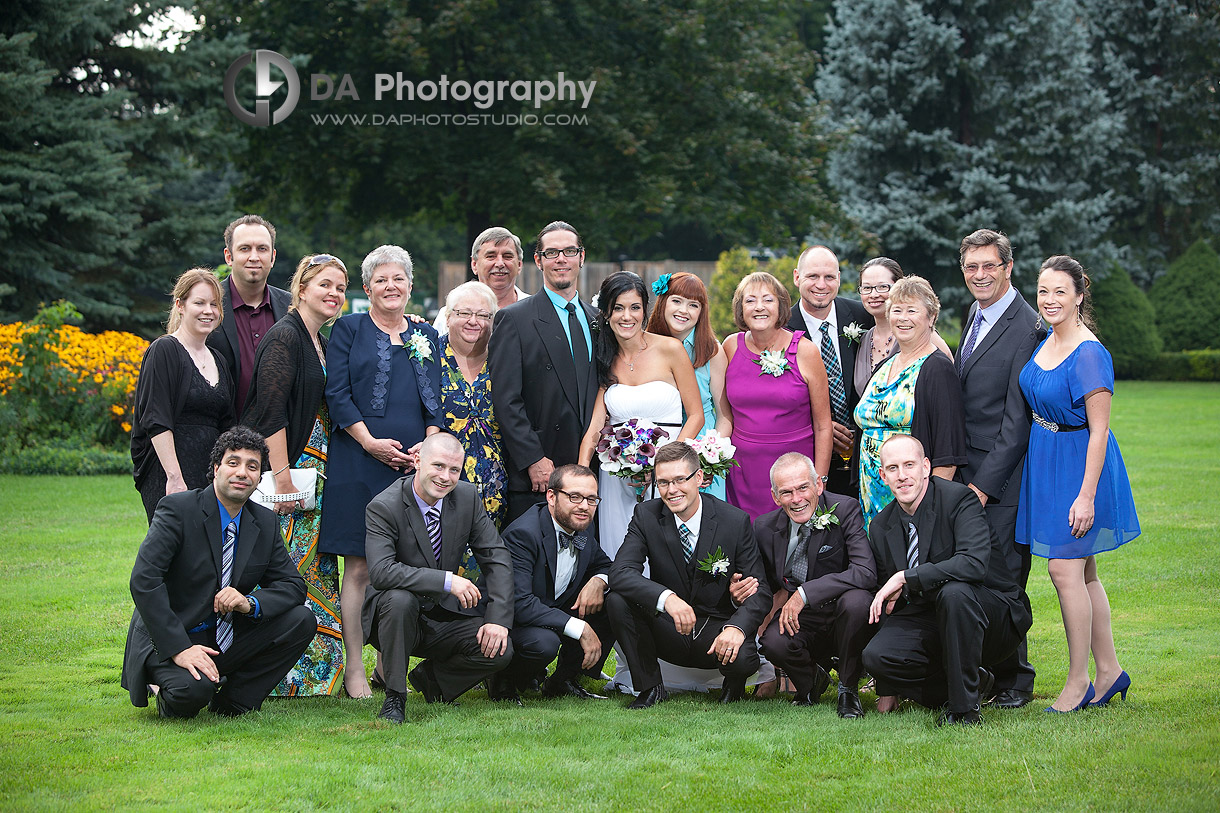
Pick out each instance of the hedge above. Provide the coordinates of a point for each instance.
(1188, 365)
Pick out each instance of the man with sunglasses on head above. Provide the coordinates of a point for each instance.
(251, 306)
(560, 573)
(543, 378)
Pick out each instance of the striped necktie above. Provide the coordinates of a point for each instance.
(224, 624)
(912, 546)
(973, 338)
(834, 373)
(433, 520)
(688, 541)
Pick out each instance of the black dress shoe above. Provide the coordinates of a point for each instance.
(986, 685)
(971, 717)
(734, 690)
(651, 697)
(849, 705)
(821, 681)
(502, 690)
(568, 688)
(423, 682)
(1012, 699)
(393, 709)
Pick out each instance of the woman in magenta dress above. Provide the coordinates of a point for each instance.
(776, 398)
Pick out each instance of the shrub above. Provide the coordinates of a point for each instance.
(1188, 365)
(65, 460)
(1126, 323)
(731, 268)
(1187, 300)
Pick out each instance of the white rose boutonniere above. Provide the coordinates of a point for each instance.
(716, 564)
(421, 348)
(853, 332)
(772, 362)
(823, 518)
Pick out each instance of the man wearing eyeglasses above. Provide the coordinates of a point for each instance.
(560, 574)
(825, 316)
(495, 260)
(251, 306)
(692, 607)
(998, 339)
(543, 379)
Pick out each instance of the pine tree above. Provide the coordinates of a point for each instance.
(1187, 300)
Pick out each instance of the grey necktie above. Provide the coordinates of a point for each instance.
(912, 546)
(798, 562)
(433, 520)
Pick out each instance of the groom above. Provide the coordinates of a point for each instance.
(685, 609)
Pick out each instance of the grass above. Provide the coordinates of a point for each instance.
(71, 740)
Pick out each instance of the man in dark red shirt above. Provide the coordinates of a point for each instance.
(251, 306)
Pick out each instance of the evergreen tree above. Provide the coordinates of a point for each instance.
(1126, 323)
(1187, 300)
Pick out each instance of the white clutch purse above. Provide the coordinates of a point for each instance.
(304, 480)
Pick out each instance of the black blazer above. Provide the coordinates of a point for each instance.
(956, 544)
(288, 385)
(997, 416)
(400, 557)
(534, 390)
(846, 312)
(652, 535)
(532, 544)
(225, 342)
(840, 558)
(177, 576)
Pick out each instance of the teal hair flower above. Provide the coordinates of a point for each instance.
(661, 285)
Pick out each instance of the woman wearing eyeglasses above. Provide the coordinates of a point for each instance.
(466, 399)
(286, 405)
(383, 389)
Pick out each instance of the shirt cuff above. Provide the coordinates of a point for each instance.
(574, 628)
(448, 582)
(661, 601)
(605, 579)
(257, 612)
(801, 592)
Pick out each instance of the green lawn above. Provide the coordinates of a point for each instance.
(70, 739)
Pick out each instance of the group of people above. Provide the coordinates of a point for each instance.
(475, 535)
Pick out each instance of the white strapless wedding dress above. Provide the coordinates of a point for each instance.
(661, 403)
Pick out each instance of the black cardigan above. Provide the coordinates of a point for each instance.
(288, 385)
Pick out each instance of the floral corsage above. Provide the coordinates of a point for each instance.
(772, 362)
(420, 348)
(852, 332)
(716, 564)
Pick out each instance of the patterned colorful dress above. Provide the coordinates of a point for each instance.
(468, 415)
(320, 669)
(885, 409)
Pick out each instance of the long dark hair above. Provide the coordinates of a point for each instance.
(614, 286)
(1080, 282)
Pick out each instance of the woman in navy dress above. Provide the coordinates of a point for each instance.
(383, 389)
(1075, 497)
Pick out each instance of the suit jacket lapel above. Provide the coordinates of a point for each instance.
(550, 550)
(673, 545)
(816, 540)
(211, 526)
(419, 529)
(555, 340)
(247, 538)
(896, 539)
(847, 351)
(993, 335)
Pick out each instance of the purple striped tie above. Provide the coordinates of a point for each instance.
(433, 520)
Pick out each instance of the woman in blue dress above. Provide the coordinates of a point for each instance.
(681, 311)
(383, 390)
(1075, 496)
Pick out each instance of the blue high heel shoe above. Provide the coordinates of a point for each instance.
(1120, 687)
(1084, 701)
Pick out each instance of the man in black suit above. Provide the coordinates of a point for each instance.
(830, 321)
(694, 545)
(998, 339)
(416, 604)
(821, 573)
(950, 603)
(220, 615)
(543, 379)
(251, 306)
(561, 575)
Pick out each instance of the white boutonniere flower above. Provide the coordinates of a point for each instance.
(823, 518)
(772, 362)
(421, 348)
(716, 563)
(853, 332)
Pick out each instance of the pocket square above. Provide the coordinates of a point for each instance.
(823, 549)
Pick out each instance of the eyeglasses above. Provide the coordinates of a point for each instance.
(463, 315)
(552, 253)
(987, 268)
(577, 499)
(883, 288)
(664, 484)
(322, 259)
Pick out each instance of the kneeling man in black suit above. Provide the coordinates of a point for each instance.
(821, 573)
(220, 609)
(560, 573)
(694, 545)
(950, 601)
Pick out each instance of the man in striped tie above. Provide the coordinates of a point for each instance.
(417, 605)
(950, 603)
(220, 615)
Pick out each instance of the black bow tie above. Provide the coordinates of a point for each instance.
(571, 540)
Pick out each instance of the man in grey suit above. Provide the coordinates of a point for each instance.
(251, 306)
(416, 603)
(998, 340)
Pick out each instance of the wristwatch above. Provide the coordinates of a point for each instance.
(824, 479)
(250, 601)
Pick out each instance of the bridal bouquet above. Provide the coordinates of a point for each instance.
(627, 451)
(715, 454)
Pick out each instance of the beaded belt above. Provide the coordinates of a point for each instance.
(1056, 427)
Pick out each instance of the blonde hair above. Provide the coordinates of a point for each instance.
(914, 289)
(307, 269)
(182, 289)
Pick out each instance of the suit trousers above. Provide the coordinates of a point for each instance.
(260, 656)
(519, 502)
(402, 630)
(1015, 671)
(535, 647)
(931, 651)
(838, 627)
(644, 635)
